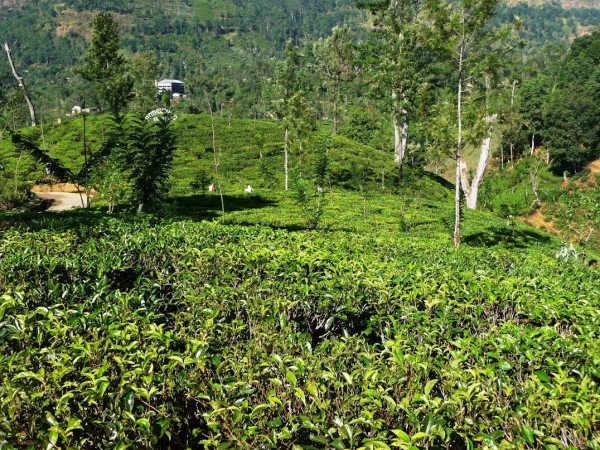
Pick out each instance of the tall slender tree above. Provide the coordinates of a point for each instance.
(396, 60)
(145, 69)
(459, 28)
(512, 125)
(534, 94)
(287, 85)
(301, 117)
(21, 82)
(334, 56)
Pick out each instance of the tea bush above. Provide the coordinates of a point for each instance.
(141, 332)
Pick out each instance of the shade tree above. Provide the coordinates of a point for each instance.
(145, 70)
(287, 87)
(459, 30)
(105, 65)
(532, 99)
(334, 56)
(398, 63)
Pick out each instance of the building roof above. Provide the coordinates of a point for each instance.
(170, 81)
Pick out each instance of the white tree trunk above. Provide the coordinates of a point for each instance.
(215, 159)
(285, 161)
(404, 143)
(535, 184)
(532, 144)
(400, 135)
(21, 84)
(471, 189)
(17, 173)
(336, 94)
(397, 141)
(458, 154)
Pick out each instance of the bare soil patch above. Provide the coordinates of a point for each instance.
(58, 187)
(538, 220)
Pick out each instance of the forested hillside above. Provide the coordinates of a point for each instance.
(223, 39)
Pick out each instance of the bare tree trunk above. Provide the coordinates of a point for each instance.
(532, 144)
(534, 183)
(21, 84)
(471, 190)
(362, 193)
(285, 162)
(400, 137)
(140, 208)
(404, 146)
(214, 143)
(336, 93)
(458, 154)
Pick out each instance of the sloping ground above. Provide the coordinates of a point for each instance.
(135, 331)
(595, 166)
(539, 220)
(568, 4)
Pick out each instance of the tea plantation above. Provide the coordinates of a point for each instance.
(167, 331)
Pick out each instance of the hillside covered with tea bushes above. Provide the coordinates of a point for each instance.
(249, 152)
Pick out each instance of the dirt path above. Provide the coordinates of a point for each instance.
(61, 201)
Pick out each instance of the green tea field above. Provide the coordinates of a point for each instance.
(167, 331)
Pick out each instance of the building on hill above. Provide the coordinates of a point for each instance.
(78, 110)
(175, 87)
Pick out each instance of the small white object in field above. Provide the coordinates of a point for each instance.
(249, 189)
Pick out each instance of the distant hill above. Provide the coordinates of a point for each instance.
(567, 4)
(219, 33)
(232, 37)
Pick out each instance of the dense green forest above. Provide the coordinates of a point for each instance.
(223, 41)
(329, 243)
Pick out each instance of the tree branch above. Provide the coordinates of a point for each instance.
(6, 47)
